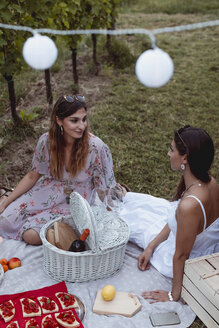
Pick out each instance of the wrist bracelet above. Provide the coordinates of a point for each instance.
(170, 296)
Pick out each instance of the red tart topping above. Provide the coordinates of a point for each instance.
(13, 324)
(48, 322)
(67, 299)
(7, 308)
(30, 306)
(48, 303)
(66, 317)
(32, 323)
(7, 312)
(7, 304)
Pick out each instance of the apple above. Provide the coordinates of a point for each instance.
(14, 262)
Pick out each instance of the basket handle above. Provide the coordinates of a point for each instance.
(93, 222)
(83, 218)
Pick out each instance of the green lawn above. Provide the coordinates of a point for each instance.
(137, 122)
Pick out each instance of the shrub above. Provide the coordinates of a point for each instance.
(120, 54)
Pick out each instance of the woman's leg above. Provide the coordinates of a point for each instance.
(32, 237)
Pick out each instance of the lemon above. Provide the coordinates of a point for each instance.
(108, 292)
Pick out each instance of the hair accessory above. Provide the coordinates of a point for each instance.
(183, 167)
(61, 130)
(170, 296)
(72, 99)
(181, 138)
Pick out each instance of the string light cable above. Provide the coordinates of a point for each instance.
(154, 67)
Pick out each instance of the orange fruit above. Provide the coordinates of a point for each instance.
(3, 261)
(5, 267)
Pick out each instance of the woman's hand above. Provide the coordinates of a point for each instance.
(2, 206)
(144, 259)
(156, 296)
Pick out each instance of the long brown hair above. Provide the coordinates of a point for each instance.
(199, 147)
(62, 109)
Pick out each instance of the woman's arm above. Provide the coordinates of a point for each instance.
(103, 174)
(144, 258)
(189, 217)
(25, 184)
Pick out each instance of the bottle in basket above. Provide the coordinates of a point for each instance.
(79, 244)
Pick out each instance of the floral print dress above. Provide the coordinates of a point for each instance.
(46, 200)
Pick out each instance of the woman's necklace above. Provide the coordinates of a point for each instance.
(194, 183)
(67, 191)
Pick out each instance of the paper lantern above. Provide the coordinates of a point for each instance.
(154, 68)
(40, 52)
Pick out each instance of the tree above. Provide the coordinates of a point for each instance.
(10, 48)
(19, 12)
(37, 15)
(114, 12)
(84, 14)
(99, 14)
(69, 15)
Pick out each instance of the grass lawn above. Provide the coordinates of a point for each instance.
(137, 122)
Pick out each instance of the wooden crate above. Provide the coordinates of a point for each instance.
(201, 288)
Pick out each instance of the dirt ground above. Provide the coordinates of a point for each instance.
(15, 159)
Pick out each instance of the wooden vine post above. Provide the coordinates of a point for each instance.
(48, 87)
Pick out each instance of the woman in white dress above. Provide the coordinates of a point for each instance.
(187, 227)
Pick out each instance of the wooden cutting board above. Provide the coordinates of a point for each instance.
(64, 235)
(126, 304)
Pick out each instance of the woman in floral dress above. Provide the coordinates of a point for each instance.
(67, 158)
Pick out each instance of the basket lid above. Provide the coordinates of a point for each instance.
(112, 231)
(107, 229)
(83, 218)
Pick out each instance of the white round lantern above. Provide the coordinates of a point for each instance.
(40, 52)
(154, 68)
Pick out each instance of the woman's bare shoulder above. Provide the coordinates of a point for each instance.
(212, 192)
(208, 196)
(187, 204)
(214, 184)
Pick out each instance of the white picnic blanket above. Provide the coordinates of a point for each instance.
(30, 276)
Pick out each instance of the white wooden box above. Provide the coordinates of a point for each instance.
(201, 288)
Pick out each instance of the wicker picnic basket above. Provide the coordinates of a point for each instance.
(106, 244)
